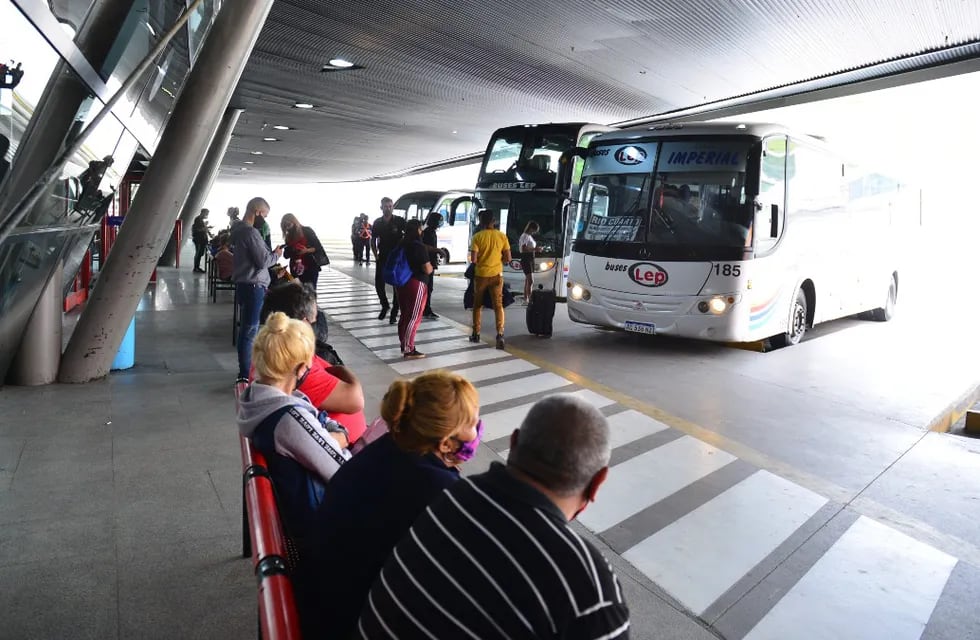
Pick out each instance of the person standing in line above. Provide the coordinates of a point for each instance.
(496, 552)
(302, 249)
(528, 247)
(431, 242)
(365, 237)
(252, 259)
(355, 239)
(200, 234)
(489, 250)
(413, 295)
(387, 232)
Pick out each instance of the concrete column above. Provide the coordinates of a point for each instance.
(37, 359)
(178, 157)
(202, 184)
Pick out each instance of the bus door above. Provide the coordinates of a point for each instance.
(454, 236)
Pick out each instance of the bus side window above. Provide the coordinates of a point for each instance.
(771, 202)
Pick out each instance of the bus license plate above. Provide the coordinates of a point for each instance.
(640, 327)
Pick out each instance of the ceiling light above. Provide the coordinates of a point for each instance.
(270, 139)
(281, 127)
(249, 162)
(340, 63)
(454, 132)
(303, 105)
(256, 153)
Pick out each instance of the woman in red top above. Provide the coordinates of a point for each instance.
(302, 249)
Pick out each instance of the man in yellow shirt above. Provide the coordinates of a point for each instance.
(489, 250)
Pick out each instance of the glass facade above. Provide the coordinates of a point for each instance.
(45, 104)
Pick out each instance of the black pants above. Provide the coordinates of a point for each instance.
(430, 285)
(356, 247)
(379, 285)
(200, 246)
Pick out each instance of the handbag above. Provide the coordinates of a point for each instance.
(320, 256)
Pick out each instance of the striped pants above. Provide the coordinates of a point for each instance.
(411, 303)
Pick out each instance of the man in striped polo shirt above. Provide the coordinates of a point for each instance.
(494, 556)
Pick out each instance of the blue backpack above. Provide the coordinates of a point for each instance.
(396, 269)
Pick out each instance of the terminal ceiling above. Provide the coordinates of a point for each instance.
(436, 77)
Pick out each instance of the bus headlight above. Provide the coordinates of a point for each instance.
(718, 306)
(578, 292)
(544, 265)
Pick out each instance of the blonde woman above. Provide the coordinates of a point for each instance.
(373, 500)
(281, 423)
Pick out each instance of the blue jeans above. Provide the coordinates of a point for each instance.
(250, 299)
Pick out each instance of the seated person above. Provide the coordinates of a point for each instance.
(224, 261)
(282, 423)
(330, 388)
(366, 511)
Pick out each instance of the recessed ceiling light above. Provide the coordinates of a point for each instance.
(270, 139)
(281, 127)
(249, 162)
(454, 132)
(256, 153)
(340, 63)
(303, 105)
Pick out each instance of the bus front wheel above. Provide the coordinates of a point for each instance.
(887, 312)
(797, 323)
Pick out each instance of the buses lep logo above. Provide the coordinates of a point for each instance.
(630, 155)
(647, 274)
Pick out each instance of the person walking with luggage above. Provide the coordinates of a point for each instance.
(431, 242)
(387, 232)
(252, 259)
(200, 234)
(528, 247)
(412, 295)
(303, 249)
(489, 250)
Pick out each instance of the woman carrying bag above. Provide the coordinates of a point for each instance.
(303, 249)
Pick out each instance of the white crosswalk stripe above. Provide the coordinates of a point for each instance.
(499, 424)
(631, 425)
(874, 584)
(435, 347)
(699, 556)
(419, 338)
(521, 387)
(495, 370)
(449, 360)
(651, 477)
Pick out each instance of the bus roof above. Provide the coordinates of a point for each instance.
(668, 130)
(431, 196)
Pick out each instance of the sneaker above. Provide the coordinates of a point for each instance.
(432, 315)
(500, 341)
(240, 381)
(383, 314)
(413, 355)
(394, 316)
(474, 337)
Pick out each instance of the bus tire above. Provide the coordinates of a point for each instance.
(797, 323)
(887, 312)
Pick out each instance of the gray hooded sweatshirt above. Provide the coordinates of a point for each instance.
(308, 444)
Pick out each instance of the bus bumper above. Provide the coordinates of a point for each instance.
(686, 321)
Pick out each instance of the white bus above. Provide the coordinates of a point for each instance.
(453, 237)
(729, 232)
(517, 181)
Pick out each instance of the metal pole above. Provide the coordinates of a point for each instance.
(148, 224)
(202, 184)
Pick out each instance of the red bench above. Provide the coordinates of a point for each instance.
(264, 539)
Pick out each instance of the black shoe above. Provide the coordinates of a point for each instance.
(431, 315)
(414, 354)
(383, 314)
(241, 381)
(500, 341)
(393, 319)
(474, 337)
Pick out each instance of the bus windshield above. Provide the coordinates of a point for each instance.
(680, 205)
(525, 157)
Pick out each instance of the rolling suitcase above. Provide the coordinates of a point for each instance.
(540, 312)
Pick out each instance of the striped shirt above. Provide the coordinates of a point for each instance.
(494, 558)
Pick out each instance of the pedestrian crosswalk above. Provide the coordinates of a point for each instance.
(705, 526)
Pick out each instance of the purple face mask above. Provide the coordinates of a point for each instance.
(467, 450)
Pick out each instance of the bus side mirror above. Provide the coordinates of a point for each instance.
(774, 221)
(563, 181)
(455, 205)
